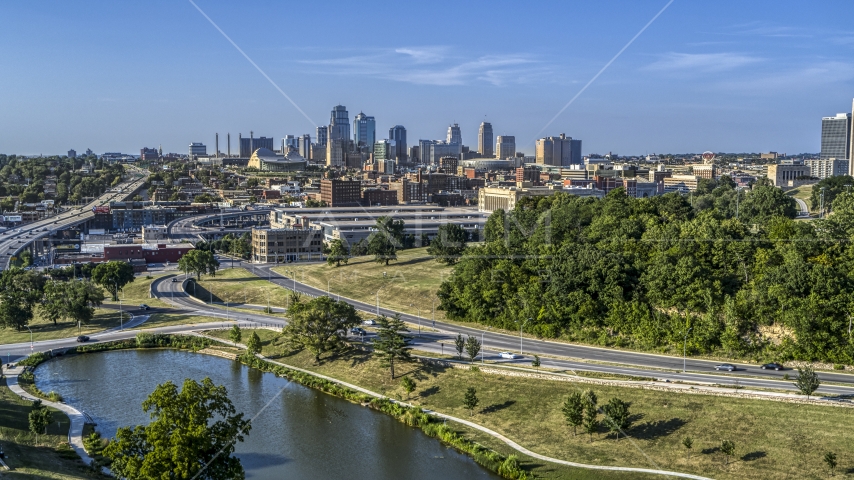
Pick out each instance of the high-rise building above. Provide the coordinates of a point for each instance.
(383, 150)
(442, 149)
(484, 140)
(336, 151)
(835, 136)
(454, 134)
(339, 124)
(559, 151)
(829, 167)
(424, 147)
(398, 134)
(340, 193)
(72, 153)
(146, 154)
(249, 145)
(198, 149)
(851, 144)
(322, 133)
(415, 154)
(505, 146)
(290, 142)
(364, 131)
(304, 145)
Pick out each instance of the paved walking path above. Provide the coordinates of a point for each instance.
(467, 423)
(75, 431)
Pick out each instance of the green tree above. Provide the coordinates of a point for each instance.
(392, 345)
(84, 297)
(460, 345)
(470, 400)
(192, 435)
(408, 385)
(319, 325)
(807, 381)
(113, 276)
(199, 262)
(359, 248)
(337, 253)
(573, 410)
(728, 449)
(382, 248)
(830, 461)
(20, 291)
(617, 417)
(688, 443)
(449, 244)
(26, 258)
(590, 422)
(40, 418)
(235, 335)
(833, 186)
(253, 345)
(472, 347)
(536, 362)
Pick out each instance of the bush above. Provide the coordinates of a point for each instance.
(35, 359)
(55, 397)
(839, 366)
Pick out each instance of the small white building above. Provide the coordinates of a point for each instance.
(154, 233)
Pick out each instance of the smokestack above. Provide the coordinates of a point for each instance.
(216, 145)
(228, 141)
(251, 142)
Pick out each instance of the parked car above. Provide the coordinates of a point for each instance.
(725, 366)
(511, 356)
(772, 366)
(369, 322)
(144, 307)
(82, 338)
(358, 331)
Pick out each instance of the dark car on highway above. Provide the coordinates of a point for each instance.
(358, 331)
(144, 307)
(772, 366)
(725, 366)
(82, 338)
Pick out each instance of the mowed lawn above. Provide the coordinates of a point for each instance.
(238, 286)
(404, 285)
(772, 439)
(31, 456)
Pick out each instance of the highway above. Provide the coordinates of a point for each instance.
(553, 354)
(803, 212)
(186, 229)
(14, 240)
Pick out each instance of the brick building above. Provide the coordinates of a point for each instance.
(341, 193)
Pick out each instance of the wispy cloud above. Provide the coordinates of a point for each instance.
(805, 78)
(434, 66)
(702, 62)
(765, 29)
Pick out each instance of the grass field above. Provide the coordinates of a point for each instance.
(137, 292)
(406, 285)
(803, 192)
(237, 285)
(45, 330)
(42, 457)
(773, 439)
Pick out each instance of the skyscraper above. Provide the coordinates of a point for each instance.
(339, 124)
(484, 140)
(249, 145)
(454, 134)
(424, 147)
(835, 136)
(364, 131)
(397, 133)
(304, 145)
(851, 145)
(559, 151)
(321, 135)
(506, 146)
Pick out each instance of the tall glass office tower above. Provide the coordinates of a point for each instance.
(364, 131)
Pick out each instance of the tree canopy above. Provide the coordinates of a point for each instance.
(192, 435)
(319, 325)
(113, 276)
(639, 272)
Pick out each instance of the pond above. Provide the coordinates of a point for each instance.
(298, 432)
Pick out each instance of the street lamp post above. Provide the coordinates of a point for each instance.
(483, 350)
(685, 349)
(521, 325)
(31, 335)
(433, 312)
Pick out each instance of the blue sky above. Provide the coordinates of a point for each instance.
(723, 75)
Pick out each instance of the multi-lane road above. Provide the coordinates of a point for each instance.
(14, 240)
(438, 338)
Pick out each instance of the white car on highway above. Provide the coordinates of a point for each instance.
(509, 355)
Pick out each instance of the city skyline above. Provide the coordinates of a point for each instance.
(736, 78)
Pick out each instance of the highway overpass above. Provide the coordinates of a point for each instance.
(211, 226)
(15, 240)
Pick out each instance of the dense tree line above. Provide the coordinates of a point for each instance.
(23, 293)
(640, 272)
(25, 178)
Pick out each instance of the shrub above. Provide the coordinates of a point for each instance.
(55, 397)
(35, 359)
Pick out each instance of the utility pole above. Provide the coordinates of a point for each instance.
(685, 350)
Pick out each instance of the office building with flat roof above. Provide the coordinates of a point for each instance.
(505, 146)
(340, 193)
(835, 136)
(364, 131)
(559, 151)
(485, 139)
(397, 134)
